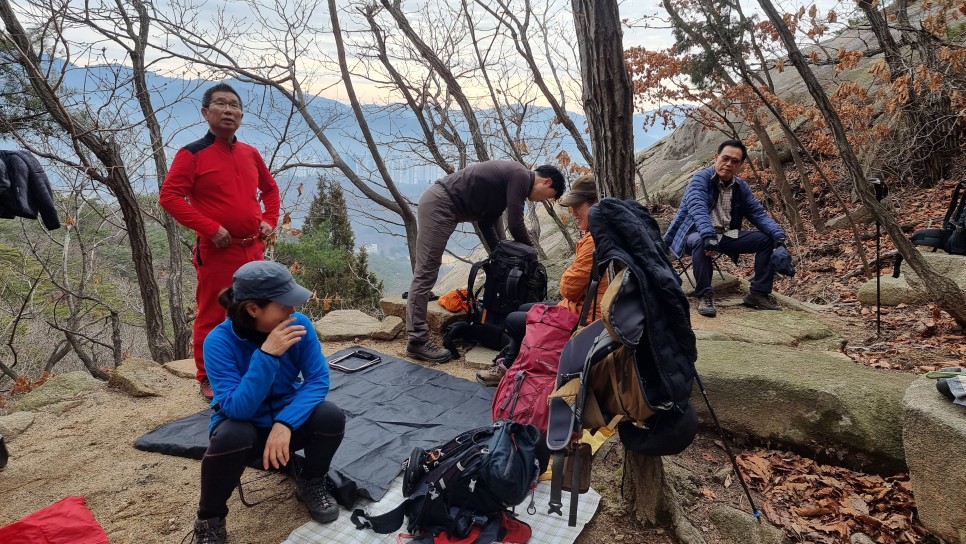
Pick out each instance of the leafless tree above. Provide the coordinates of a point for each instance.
(942, 289)
(93, 141)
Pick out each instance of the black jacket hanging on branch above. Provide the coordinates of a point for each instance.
(25, 190)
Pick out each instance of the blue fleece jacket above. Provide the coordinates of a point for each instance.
(251, 385)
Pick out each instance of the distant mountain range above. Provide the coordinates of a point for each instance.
(178, 102)
(177, 115)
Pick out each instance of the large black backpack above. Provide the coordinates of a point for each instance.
(471, 480)
(513, 277)
(951, 238)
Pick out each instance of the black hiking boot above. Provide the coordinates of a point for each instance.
(761, 301)
(428, 351)
(210, 531)
(318, 499)
(706, 306)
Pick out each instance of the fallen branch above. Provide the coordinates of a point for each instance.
(873, 263)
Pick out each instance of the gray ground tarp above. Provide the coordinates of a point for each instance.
(390, 408)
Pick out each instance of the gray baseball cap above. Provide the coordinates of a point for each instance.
(268, 279)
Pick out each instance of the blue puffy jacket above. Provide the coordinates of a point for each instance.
(700, 198)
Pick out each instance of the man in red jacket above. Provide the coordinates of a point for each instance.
(213, 188)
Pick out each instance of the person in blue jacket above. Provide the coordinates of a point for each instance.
(270, 380)
(708, 222)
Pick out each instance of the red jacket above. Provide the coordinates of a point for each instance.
(221, 182)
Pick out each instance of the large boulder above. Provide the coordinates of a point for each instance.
(182, 368)
(861, 215)
(139, 378)
(892, 292)
(741, 527)
(951, 266)
(908, 288)
(347, 325)
(480, 357)
(784, 328)
(813, 401)
(721, 282)
(390, 327)
(14, 424)
(437, 317)
(934, 436)
(61, 389)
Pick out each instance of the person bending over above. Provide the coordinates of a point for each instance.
(269, 380)
(708, 222)
(480, 192)
(573, 283)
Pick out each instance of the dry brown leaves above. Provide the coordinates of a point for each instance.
(827, 504)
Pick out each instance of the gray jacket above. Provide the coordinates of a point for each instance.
(482, 191)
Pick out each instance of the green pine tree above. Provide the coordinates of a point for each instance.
(325, 253)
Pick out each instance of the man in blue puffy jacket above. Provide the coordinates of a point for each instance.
(708, 222)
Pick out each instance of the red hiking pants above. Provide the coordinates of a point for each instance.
(215, 268)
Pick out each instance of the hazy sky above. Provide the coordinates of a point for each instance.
(646, 28)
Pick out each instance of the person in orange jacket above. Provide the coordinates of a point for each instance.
(573, 283)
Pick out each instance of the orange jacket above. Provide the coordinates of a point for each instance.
(573, 282)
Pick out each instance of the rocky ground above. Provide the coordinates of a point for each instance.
(84, 447)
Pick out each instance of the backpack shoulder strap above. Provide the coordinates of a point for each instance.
(388, 522)
(512, 285)
(956, 204)
(474, 270)
(556, 482)
(590, 298)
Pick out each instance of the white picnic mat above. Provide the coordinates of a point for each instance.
(547, 528)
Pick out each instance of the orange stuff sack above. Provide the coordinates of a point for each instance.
(457, 300)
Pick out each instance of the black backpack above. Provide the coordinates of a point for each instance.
(951, 238)
(471, 480)
(513, 277)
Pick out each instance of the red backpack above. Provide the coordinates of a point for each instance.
(523, 391)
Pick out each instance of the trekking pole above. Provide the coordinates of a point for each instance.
(731, 455)
(881, 191)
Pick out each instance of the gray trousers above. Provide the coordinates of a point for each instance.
(436, 222)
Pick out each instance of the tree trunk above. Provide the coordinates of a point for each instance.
(175, 276)
(158, 344)
(943, 290)
(408, 217)
(108, 153)
(472, 125)
(784, 191)
(607, 96)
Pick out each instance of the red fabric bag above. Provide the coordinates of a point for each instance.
(67, 521)
(523, 390)
(509, 530)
